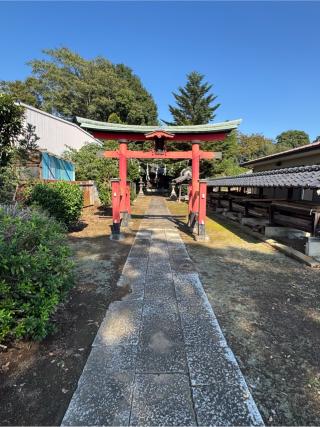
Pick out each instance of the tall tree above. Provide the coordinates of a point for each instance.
(291, 139)
(68, 85)
(194, 102)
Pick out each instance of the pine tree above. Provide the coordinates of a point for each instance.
(194, 102)
(114, 118)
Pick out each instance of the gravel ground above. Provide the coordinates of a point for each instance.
(268, 306)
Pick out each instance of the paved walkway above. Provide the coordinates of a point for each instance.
(159, 357)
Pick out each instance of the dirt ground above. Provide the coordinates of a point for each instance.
(268, 306)
(37, 380)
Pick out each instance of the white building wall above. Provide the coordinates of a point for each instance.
(56, 134)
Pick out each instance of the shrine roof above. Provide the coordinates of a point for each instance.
(226, 126)
(301, 176)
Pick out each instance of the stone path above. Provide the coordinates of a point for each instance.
(159, 357)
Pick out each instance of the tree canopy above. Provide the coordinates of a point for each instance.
(194, 102)
(291, 139)
(253, 146)
(68, 85)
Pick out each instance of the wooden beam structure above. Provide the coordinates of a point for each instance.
(137, 137)
(130, 154)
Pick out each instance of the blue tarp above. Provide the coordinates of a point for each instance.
(56, 168)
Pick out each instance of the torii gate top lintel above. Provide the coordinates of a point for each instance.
(203, 133)
(123, 133)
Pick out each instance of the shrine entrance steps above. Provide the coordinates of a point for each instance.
(159, 357)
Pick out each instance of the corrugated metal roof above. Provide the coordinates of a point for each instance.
(303, 176)
(118, 127)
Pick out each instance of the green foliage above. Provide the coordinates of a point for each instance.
(60, 199)
(90, 164)
(114, 118)
(229, 164)
(69, 85)
(27, 91)
(35, 272)
(27, 142)
(227, 167)
(9, 180)
(11, 125)
(253, 146)
(194, 107)
(17, 141)
(291, 139)
(194, 103)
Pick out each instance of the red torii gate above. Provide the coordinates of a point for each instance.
(121, 209)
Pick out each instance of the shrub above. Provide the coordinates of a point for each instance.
(35, 271)
(9, 179)
(61, 199)
(104, 191)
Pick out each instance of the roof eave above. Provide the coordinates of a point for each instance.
(282, 154)
(227, 126)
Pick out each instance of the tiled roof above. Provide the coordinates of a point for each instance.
(304, 177)
(292, 151)
(119, 127)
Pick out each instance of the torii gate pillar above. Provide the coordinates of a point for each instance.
(123, 169)
(194, 205)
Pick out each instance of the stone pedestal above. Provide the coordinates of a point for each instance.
(288, 232)
(173, 195)
(141, 193)
(313, 247)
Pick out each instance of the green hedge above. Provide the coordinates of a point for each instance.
(61, 199)
(36, 271)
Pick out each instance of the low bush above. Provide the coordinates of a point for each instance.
(61, 199)
(36, 272)
(104, 191)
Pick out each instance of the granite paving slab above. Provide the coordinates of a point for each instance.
(122, 324)
(115, 358)
(225, 406)
(159, 357)
(136, 290)
(102, 398)
(198, 330)
(159, 289)
(162, 400)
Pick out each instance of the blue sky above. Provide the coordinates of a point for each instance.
(262, 57)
